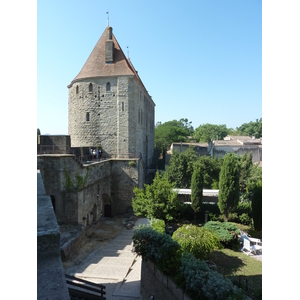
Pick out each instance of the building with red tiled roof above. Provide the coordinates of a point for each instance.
(109, 106)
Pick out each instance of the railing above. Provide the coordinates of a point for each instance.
(105, 156)
(83, 289)
(64, 149)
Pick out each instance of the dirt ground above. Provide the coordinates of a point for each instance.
(107, 229)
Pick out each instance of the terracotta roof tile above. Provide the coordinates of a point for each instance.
(95, 65)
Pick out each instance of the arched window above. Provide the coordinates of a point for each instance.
(77, 89)
(90, 87)
(108, 86)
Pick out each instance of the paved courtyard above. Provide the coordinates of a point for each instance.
(115, 265)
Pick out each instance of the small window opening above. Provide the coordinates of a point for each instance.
(108, 87)
(122, 106)
(90, 87)
(87, 116)
(77, 89)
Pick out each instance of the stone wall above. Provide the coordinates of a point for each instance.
(119, 121)
(155, 283)
(107, 182)
(239, 150)
(54, 144)
(51, 282)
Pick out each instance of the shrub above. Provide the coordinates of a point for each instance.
(245, 219)
(196, 240)
(201, 282)
(257, 206)
(159, 247)
(158, 225)
(226, 231)
(233, 217)
(243, 208)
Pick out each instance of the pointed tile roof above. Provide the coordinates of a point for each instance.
(95, 66)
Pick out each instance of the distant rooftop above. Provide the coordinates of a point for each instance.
(237, 140)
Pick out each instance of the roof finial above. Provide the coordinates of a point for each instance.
(107, 18)
(127, 53)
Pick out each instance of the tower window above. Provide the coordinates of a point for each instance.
(77, 89)
(90, 87)
(108, 86)
(122, 106)
(87, 116)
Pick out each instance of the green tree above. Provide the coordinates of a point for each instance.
(197, 189)
(255, 175)
(210, 169)
(257, 206)
(229, 184)
(180, 168)
(157, 200)
(172, 131)
(245, 168)
(206, 132)
(251, 128)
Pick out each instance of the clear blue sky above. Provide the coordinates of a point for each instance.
(200, 60)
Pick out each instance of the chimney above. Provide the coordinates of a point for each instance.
(109, 47)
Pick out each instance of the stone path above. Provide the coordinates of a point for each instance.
(115, 265)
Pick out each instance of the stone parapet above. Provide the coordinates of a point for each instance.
(51, 282)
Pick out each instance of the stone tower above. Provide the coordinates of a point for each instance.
(109, 107)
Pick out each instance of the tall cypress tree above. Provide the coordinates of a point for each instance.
(229, 184)
(197, 189)
(257, 206)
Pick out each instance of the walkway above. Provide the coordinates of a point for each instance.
(115, 265)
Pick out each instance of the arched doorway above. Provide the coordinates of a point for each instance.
(107, 211)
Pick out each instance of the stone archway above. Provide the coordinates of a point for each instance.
(106, 208)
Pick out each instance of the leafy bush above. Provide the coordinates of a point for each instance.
(201, 282)
(159, 247)
(158, 225)
(157, 200)
(226, 231)
(233, 217)
(245, 219)
(213, 217)
(196, 240)
(243, 208)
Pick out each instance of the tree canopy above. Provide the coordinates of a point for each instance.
(172, 131)
(182, 165)
(157, 200)
(229, 184)
(197, 189)
(206, 132)
(251, 129)
(180, 168)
